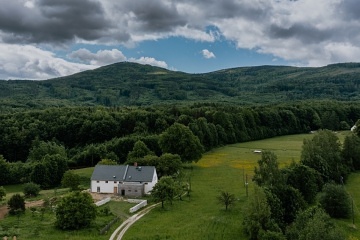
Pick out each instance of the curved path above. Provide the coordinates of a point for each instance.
(130, 221)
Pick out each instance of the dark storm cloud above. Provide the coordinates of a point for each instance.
(53, 21)
(154, 16)
(304, 32)
(350, 9)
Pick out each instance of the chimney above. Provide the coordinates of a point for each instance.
(135, 164)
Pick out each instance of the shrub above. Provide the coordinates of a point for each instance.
(31, 189)
(16, 204)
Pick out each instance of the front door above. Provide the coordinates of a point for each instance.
(122, 192)
(115, 190)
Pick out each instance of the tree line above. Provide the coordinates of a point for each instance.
(41, 142)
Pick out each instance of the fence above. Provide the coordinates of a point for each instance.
(102, 202)
(140, 204)
(106, 228)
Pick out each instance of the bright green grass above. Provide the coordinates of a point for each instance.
(225, 168)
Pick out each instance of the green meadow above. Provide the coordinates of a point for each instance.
(198, 216)
(201, 217)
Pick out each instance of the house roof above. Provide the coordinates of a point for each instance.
(124, 173)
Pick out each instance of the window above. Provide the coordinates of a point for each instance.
(98, 189)
(106, 181)
(97, 181)
(135, 190)
(115, 181)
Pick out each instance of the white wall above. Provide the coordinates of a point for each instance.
(104, 187)
(149, 186)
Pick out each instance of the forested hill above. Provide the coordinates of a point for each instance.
(134, 84)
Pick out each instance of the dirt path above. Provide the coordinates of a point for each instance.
(128, 222)
(4, 209)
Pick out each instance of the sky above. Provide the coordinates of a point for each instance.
(42, 39)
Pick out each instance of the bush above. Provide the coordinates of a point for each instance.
(31, 189)
(336, 201)
(16, 204)
(70, 180)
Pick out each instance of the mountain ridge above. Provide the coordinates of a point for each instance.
(126, 83)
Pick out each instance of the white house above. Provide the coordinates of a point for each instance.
(124, 180)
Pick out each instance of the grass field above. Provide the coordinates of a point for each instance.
(225, 168)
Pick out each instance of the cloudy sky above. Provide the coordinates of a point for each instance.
(41, 39)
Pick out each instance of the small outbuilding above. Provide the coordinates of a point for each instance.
(124, 180)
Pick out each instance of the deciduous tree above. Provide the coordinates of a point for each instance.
(16, 204)
(336, 201)
(75, 211)
(165, 189)
(178, 139)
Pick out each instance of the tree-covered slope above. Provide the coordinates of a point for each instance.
(134, 84)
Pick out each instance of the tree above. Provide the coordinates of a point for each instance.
(351, 152)
(139, 151)
(336, 201)
(70, 180)
(268, 173)
(323, 154)
(257, 218)
(305, 179)
(165, 189)
(16, 204)
(178, 139)
(226, 198)
(5, 171)
(2, 193)
(314, 223)
(75, 211)
(31, 189)
(41, 148)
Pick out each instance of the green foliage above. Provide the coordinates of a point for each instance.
(323, 154)
(107, 162)
(226, 198)
(40, 149)
(178, 139)
(5, 171)
(164, 190)
(351, 152)
(336, 201)
(257, 218)
(71, 180)
(305, 179)
(139, 151)
(75, 211)
(267, 173)
(31, 189)
(16, 204)
(314, 223)
(2, 193)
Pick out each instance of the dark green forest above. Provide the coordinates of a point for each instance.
(131, 84)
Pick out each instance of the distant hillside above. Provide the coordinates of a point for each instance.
(134, 84)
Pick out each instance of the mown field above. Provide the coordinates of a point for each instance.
(198, 216)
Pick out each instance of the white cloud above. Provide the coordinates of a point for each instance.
(101, 57)
(29, 62)
(207, 54)
(150, 61)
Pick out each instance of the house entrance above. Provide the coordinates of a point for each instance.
(98, 189)
(115, 190)
(122, 192)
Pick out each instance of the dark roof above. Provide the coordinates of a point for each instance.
(123, 173)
